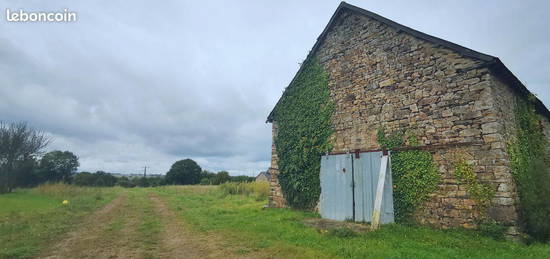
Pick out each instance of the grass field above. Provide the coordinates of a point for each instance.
(211, 222)
(31, 219)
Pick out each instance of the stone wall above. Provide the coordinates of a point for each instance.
(382, 77)
(276, 199)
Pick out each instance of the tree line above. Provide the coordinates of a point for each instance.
(175, 177)
(24, 164)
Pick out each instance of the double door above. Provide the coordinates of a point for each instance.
(348, 187)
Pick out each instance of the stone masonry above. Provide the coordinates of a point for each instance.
(382, 76)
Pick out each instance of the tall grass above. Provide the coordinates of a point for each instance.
(258, 189)
(68, 191)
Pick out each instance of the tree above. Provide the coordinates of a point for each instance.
(125, 182)
(221, 177)
(84, 179)
(142, 182)
(207, 177)
(154, 181)
(99, 178)
(58, 166)
(18, 145)
(184, 171)
(104, 179)
(26, 175)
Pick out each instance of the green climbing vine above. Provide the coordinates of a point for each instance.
(415, 176)
(481, 193)
(303, 117)
(530, 160)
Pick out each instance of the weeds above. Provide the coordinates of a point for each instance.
(258, 189)
(342, 232)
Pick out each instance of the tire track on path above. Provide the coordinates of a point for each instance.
(110, 232)
(178, 242)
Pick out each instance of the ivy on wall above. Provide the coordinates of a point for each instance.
(530, 160)
(304, 124)
(414, 173)
(481, 193)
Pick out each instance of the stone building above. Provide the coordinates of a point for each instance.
(263, 176)
(460, 100)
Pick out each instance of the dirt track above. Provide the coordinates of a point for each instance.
(135, 225)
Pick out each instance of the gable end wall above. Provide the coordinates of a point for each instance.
(381, 77)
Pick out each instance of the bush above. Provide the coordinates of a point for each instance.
(258, 189)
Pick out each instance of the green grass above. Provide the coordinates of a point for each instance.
(150, 227)
(26, 201)
(32, 219)
(280, 232)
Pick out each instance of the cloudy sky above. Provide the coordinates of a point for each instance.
(135, 83)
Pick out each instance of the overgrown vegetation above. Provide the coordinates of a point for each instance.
(303, 116)
(415, 176)
(530, 160)
(258, 189)
(481, 193)
(210, 178)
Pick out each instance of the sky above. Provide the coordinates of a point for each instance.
(146, 83)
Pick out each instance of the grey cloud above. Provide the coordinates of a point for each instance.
(149, 82)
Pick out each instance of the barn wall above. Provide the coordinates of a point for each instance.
(382, 77)
(276, 199)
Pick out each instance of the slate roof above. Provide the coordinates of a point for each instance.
(493, 63)
(266, 173)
